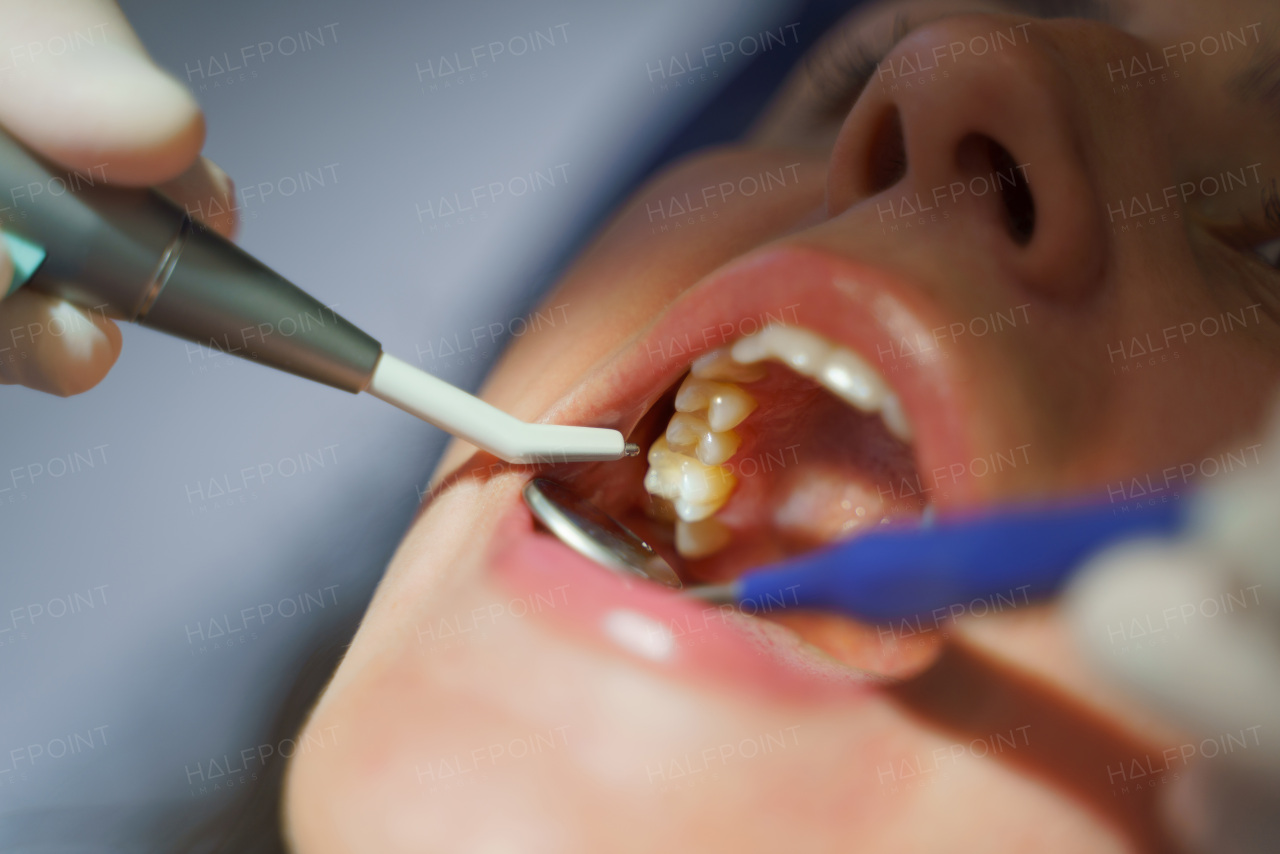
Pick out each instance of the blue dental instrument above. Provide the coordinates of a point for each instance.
(1015, 553)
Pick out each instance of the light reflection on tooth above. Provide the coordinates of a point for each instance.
(895, 418)
(699, 539)
(715, 447)
(720, 365)
(685, 430)
(728, 407)
(847, 376)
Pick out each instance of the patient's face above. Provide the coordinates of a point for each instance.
(1040, 235)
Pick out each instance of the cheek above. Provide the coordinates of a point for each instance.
(677, 229)
(1191, 355)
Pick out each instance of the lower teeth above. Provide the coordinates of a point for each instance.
(699, 539)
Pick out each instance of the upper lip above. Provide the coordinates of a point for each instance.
(859, 306)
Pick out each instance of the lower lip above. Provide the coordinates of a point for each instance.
(658, 628)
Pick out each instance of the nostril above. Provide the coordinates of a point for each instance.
(888, 161)
(982, 158)
(1015, 192)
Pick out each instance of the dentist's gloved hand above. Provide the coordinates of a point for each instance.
(1193, 628)
(77, 87)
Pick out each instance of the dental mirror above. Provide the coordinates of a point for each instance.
(594, 534)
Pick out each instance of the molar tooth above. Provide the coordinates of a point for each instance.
(728, 407)
(850, 378)
(699, 539)
(663, 481)
(695, 511)
(895, 418)
(694, 394)
(687, 481)
(661, 454)
(663, 477)
(685, 429)
(751, 349)
(720, 365)
(716, 447)
(804, 351)
(689, 433)
(705, 484)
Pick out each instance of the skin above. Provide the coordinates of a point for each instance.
(396, 704)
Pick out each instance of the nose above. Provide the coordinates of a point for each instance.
(976, 117)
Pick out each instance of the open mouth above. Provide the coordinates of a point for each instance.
(784, 437)
(780, 442)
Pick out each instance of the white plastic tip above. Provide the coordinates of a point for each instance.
(488, 428)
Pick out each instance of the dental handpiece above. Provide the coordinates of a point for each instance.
(1003, 557)
(132, 254)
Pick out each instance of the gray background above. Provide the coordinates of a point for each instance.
(132, 534)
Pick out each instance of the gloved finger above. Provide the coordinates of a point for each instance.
(1238, 519)
(1219, 808)
(77, 86)
(48, 344)
(208, 195)
(1155, 617)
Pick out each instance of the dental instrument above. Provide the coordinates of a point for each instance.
(134, 255)
(594, 534)
(1018, 553)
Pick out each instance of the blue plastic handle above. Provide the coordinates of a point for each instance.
(1013, 555)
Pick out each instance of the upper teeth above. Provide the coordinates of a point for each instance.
(727, 405)
(685, 463)
(691, 430)
(842, 372)
(697, 489)
(720, 365)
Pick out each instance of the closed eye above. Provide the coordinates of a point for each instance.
(840, 74)
(1270, 252)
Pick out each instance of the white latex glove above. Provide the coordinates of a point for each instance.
(77, 87)
(1193, 628)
